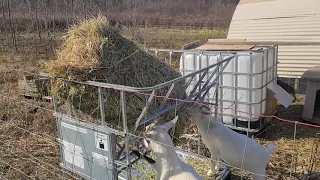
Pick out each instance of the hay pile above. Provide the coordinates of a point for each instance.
(93, 50)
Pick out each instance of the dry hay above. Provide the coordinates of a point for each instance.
(93, 50)
(26, 134)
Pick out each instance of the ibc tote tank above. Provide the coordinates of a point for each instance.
(242, 85)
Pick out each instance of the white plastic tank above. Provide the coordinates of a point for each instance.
(247, 70)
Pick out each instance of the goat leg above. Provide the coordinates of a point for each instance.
(214, 162)
(218, 164)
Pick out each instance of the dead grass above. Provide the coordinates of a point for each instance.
(20, 148)
(14, 112)
(281, 133)
(171, 38)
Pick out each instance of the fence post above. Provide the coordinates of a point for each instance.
(101, 103)
(125, 128)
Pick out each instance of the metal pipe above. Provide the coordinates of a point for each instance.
(239, 73)
(275, 63)
(170, 58)
(236, 88)
(198, 84)
(214, 72)
(125, 129)
(172, 106)
(221, 88)
(262, 80)
(247, 103)
(204, 88)
(91, 126)
(101, 100)
(144, 110)
(216, 96)
(197, 51)
(203, 74)
(166, 97)
(183, 64)
(69, 106)
(250, 91)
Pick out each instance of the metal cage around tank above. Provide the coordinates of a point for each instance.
(242, 121)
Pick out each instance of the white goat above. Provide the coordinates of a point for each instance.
(227, 145)
(167, 163)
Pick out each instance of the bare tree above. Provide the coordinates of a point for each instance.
(12, 29)
(47, 21)
(37, 19)
(4, 21)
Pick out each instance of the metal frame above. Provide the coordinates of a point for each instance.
(124, 159)
(219, 102)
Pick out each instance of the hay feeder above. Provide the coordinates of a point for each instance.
(104, 82)
(124, 141)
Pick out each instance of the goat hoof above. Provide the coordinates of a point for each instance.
(210, 173)
(217, 168)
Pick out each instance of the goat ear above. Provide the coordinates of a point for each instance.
(170, 124)
(152, 125)
(147, 128)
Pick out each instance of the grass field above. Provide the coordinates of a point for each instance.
(172, 38)
(27, 134)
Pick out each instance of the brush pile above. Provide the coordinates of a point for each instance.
(95, 51)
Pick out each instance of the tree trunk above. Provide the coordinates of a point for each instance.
(12, 29)
(37, 20)
(4, 21)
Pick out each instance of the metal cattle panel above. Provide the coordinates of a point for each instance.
(86, 151)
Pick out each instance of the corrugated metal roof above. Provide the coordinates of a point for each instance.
(281, 20)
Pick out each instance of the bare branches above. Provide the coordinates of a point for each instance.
(49, 15)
